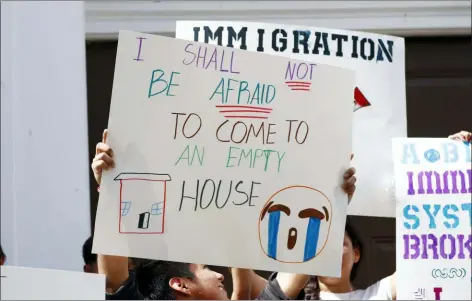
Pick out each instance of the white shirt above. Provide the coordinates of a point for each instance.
(380, 290)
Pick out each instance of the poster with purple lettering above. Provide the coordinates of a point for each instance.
(223, 163)
(433, 180)
(379, 98)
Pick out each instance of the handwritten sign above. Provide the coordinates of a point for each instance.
(434, 190)
(378, 99)
(18, 283)
(219, 162)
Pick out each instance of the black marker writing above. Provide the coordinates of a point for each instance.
(208, 191)
(192, 121)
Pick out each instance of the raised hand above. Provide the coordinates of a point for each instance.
(103, 159)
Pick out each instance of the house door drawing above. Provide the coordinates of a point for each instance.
(142, 202)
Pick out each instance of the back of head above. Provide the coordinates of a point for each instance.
(87, 255)
(153, 277)
(2, 256)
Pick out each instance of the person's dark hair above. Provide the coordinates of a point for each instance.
(356, 244)
(312, 289)
(153, 276)
(87, 255)
(2, 255)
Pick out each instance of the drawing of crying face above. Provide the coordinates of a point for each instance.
(294, 224)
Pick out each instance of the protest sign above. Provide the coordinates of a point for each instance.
(378, 100)
(221, 160)
(433, 180)
(18, 283)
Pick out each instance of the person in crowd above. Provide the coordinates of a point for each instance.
(462, 136)
(3, 257)
(90, 259)
(155, 279)
(162, 280)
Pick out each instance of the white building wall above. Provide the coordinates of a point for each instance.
(45, 202)
(406, 18)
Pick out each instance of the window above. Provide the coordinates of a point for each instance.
(156, 208)
(125, 206)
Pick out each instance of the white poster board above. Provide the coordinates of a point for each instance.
(434, 190)
(18, 283)
(217, 158)
(379, 97)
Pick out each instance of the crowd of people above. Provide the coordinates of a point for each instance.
(144, 279)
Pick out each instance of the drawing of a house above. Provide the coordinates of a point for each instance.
(142, 202)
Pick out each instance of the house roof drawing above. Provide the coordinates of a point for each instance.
(142, 176)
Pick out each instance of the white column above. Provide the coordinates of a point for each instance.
(45, 207)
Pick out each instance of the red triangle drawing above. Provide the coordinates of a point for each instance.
(360, 101)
